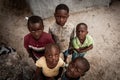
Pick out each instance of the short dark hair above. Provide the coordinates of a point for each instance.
(50, 46)
(34, 19)
(62, 7)
(84, 62)
(82, 24)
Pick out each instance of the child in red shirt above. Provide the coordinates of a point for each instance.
(35, 41)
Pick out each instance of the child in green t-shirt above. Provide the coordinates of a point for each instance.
(82, 43)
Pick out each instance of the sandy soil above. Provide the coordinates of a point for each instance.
(103, 23)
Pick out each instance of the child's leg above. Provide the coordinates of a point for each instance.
(81, 54)
(66, 53)
(64, 77)
(75, 55)
(67, 56)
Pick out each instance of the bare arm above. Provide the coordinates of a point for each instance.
(38, 75)
(52, 36)
(60, 72)
(71, 38)
(31, 54)
(85, 49)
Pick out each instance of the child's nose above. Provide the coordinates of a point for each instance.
(36, 33)
(80, 32)
(72, 69)
(61, 19)
(53, 57)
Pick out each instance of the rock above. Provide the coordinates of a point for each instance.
(14, 68)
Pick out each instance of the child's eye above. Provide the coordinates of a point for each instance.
(36, 31)
(50, 56)
(56, 55)
(64, 17)
(39, 30)
(72, 66)
(79, 70)
(32, 31)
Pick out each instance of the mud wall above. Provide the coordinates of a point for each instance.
(45, 8)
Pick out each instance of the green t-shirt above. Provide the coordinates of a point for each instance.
(76, 43)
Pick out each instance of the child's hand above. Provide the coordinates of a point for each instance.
(71, 51)
(69, 57)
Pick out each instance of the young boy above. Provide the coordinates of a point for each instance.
(49, 67)
(61, 30)
(76, 69)
(35, 41)
(82, 42)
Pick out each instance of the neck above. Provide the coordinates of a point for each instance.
(82, 41)
(49, 65)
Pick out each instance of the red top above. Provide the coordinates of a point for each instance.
(37, 45)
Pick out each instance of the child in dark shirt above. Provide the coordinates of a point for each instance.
(35, 41)
(76, 69)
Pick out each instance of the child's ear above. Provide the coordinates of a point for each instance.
(43, 28)
(29, 28)
(87, 32)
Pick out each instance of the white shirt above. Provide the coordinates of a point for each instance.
(62, 35)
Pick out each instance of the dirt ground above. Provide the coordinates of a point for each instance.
(103, 24)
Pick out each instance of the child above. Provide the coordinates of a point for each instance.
(61, 30)
(76, 69)
(35, 41)
(82, 42)
(49, 67)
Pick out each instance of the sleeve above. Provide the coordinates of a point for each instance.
(90, 41)
(39, 63)
(51, 39)
(62, 63)
(74, 43)
(51, 34)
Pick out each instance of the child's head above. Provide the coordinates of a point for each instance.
(35, 26)
(61, 14)
(81, 31)
(52, 52)
(77, 68)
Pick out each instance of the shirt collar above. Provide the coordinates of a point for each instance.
(61, 26)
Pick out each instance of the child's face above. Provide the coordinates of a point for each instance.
(36, 30)
(52, 57)
(61, 17)
(81, 32)
(74, 70)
